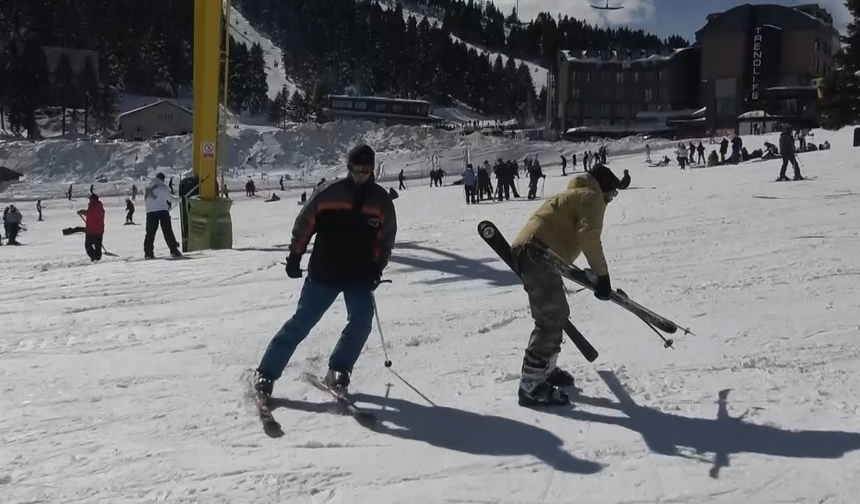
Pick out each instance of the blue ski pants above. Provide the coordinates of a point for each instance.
(315, 299)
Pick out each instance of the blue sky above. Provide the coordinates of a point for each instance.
(662, 17)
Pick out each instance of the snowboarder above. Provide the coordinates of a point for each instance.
(567, 224)
(94, 216)
(786, 149)
(351, 249)
(158, 202)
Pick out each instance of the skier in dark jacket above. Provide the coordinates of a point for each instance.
(535, 174)
(786, 149)
(355, 226)
(724, 149)
(625, 180)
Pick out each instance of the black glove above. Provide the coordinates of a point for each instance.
(294, 265)
(603, 289)
(377, 279)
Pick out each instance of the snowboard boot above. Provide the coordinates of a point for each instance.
(175, 253)
(797, 177)
(337, 381)
(262, 385)
(782, 178)
(535, 388)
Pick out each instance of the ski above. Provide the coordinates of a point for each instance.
(493, 237)
(362, 416)
(270, 425)
(618, 296)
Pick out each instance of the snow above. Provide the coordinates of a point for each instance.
(125, 381)
(277, 78)
(304, 152)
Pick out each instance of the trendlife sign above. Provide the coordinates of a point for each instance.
(756, 63)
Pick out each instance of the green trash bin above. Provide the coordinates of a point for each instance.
(209, 224)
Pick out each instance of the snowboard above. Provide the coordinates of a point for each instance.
(618, 296)
(494, 238)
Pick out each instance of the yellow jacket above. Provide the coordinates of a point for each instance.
(571, 222)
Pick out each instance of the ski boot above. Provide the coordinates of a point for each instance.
(556, 376)
(535, 388)
(262, 385)
(175, 253)
(338, 381)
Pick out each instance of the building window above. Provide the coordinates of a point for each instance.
(636, 77)
(649, 94)
(574, 93)
(619, 77)
(397, 108)
(817, 44)
(361, 105)
(165, 117)
(341, 104)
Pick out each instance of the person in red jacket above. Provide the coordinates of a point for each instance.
(94, 215)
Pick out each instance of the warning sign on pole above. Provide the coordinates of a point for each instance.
(208, 149)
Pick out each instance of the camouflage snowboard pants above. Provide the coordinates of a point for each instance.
(549, 307)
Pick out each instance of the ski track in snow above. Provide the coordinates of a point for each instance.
(126, 381)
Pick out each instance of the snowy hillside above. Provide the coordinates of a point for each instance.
(304, 153)
(126, 381)
(244, 32)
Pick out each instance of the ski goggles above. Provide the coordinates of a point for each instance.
(361, 169)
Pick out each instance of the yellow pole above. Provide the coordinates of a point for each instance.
(226, 90)
(207, 51)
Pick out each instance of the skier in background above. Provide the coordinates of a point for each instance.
(351, 249)
(563, 166)
(470, 184)
(69, 192)
(786, 149)
(134, 192)
(535, 174)
(12, 224)
(39, 209)
(567, 224)
(402, 179)
(625, 180)
(158, 203)
(129, 212)
(94, 215)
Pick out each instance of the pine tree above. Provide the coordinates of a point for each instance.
(258, 87)
(88, 87)
(840, 93)
(64, 85)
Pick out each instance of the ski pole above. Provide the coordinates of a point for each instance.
(379, 330)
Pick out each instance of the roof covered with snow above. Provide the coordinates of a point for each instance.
(572, 57)
(156, 104)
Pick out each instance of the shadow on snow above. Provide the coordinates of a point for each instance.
(459, 267)
(723, 436)
(461, 431)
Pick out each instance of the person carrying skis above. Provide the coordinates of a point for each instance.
(567, 224)
(158, 202)
(94, 216)
(355, 226)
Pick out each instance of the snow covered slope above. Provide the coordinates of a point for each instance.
(277, 77)
(304, 152)
(125, 381)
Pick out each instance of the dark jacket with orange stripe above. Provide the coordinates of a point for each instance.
(355, 227)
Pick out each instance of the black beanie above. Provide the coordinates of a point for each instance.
(361, 155)
(607, 180)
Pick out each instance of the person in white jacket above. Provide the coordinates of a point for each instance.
(158, 203)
